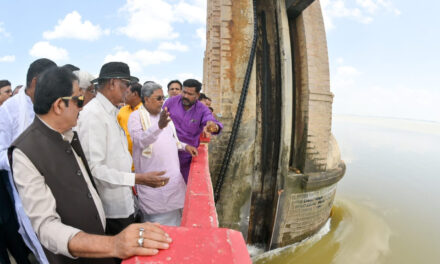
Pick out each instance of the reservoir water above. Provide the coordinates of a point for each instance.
(387, 207)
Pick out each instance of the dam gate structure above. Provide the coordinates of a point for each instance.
(276, 165)
(273, 171)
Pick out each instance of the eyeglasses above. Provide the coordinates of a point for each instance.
(126, 82)
(159, 98)
(91, 89)
(79, 100)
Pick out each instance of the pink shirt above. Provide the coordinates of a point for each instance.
(164, 157)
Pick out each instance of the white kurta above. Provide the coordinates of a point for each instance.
(163, 158)
(106, 149)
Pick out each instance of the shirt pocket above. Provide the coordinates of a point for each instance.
(194, 126)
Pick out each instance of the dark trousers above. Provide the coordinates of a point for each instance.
(185, 164)
(10, 239)
(115, 225)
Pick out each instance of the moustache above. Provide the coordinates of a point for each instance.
(186, 101)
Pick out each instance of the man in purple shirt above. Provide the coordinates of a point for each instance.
(190, 117)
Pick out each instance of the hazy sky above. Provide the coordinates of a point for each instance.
(384, 57)
(383, 53)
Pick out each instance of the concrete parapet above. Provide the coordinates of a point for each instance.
(199, 240)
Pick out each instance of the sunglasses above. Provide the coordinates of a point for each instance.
(79, 100)
(159, 98)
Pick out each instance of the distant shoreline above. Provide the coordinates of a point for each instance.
(387, 117)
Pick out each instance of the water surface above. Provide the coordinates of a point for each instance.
(387, 207)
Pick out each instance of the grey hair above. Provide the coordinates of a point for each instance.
(148, 89)
(84, 79)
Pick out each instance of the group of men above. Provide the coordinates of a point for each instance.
(76, 167)
(6, 91)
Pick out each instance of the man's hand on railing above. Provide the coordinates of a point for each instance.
(128, 242)
(212, 127)
(135, 240)
(191, 150)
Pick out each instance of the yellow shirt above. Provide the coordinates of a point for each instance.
(123, 115)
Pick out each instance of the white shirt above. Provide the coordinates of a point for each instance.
(106, 149)
(16, 114)
(40, 204)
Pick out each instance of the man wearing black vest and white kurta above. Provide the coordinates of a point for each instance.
(56, 186)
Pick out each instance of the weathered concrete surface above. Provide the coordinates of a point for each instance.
(307, 197)
(304, 213)
(314, 99)
(229, 37)
(295, 78)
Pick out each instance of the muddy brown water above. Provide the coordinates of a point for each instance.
(387, 207)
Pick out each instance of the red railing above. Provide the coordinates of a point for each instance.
(199, 240)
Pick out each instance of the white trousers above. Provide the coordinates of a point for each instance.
(171, 218)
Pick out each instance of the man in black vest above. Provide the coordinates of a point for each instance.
(57, 189)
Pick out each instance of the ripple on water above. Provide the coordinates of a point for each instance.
(354, 234)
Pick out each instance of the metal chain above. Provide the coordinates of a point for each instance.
(240, 108)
